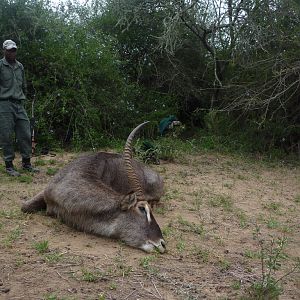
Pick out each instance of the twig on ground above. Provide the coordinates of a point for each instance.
(156, 289)
(129, 295)
(62, 277)
(148, 291)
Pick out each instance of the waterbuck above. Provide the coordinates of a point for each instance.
(106, 194)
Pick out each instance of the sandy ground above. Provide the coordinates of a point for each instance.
(211, 209)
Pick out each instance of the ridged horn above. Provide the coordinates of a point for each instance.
(132, 176)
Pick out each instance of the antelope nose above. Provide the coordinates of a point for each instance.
(162, 246)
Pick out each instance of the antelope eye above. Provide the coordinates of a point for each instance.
(143, 210)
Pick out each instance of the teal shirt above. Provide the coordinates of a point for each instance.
(12, 81)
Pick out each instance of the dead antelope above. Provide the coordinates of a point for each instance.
(106, 194)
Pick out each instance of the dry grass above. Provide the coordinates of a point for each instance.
(208, 215)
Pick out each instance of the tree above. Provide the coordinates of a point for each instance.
(235, 56)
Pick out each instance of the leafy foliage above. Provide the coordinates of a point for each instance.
(272, 256)
(229, 69)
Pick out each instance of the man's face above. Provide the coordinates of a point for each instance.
(10, 54)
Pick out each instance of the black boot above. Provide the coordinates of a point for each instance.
(26, 165)
(11, 170)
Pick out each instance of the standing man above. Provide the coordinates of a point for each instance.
(13, 117)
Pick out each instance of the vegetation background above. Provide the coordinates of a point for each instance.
(229, 70)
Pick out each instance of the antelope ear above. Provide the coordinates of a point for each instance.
(128, 201)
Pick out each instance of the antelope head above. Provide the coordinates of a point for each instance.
(145, 232)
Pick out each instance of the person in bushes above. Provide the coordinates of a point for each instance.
(13, 117)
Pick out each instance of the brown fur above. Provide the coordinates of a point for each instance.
(93, 194)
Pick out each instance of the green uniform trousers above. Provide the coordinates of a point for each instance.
(14, 120)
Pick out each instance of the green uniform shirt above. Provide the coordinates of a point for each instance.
(12, 81)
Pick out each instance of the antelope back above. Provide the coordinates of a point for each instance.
(110, 169)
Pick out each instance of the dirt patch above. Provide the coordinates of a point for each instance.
(208, 215)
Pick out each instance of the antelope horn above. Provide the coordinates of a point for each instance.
(132, 176)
